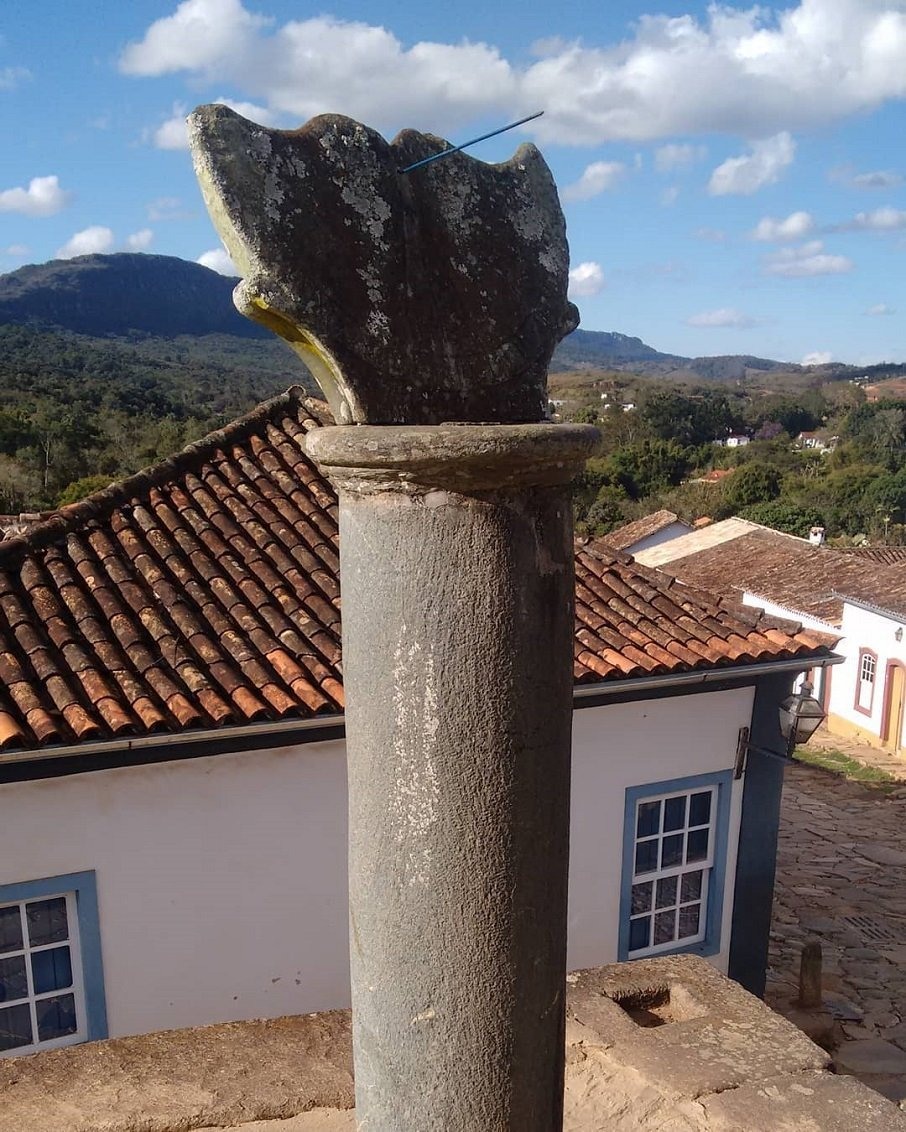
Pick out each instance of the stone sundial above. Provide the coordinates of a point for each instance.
(417, 298)
(427, 305)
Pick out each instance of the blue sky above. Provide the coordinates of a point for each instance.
(734, 179)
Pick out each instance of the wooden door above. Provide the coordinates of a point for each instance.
(896, 685)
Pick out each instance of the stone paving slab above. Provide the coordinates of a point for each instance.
(840, 880)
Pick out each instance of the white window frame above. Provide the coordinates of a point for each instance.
(706, 940)
(81, 909)
(868, 674)
(33, 999)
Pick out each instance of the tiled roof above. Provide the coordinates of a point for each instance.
(737, 556)
(634, 621)
(204, 592)
(630, 533)
(888, 555)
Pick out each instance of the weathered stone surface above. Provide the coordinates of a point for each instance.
(802, 1104)
(182, 1079)
(458, 784)
(414, 298)
(718, 1036)
(873, 1055)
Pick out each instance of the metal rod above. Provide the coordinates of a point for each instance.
(474, 141)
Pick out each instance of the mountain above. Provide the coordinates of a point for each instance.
(144, 303)
(124, 295)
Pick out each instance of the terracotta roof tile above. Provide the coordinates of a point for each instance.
(204, 592)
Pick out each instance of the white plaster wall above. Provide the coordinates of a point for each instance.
(222, 881)
(865, 629)
(659, 537)
(632, 744)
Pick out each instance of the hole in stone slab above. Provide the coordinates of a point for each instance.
(660, 1006)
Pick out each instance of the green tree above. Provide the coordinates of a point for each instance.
(784, 515)
(606, 512)
(650, 466)
(752, 483)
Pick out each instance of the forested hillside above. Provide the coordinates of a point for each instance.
(108, 363)
(72, 406)
(662, 454)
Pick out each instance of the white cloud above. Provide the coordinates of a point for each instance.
(752, 171)
(43, 197)
(173, 134)
(597, 178)
(218, 259)
(806, 260)
(775, 69)
(877, 180)
(586, 279)
(11, 77)
(711, 235)
(89, 241)
(817, 358)
(16, 251)
(880, 309)
(880, 220)
(166, 208)
(795, 227)
(140, 241)
(670, 196)
(726, 317)
(670, 157)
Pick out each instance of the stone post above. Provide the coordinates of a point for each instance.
(421, 301)
(810, 964)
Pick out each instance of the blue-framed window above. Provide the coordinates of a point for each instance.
(51, 972)
(674, 865)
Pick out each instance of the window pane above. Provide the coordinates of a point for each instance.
(688, 920)
(10, 929)
(691, 887)
(13, 980)
(47, 921)
(639, 933)
(663, 926)
(51, 970)
(666, 892)
(672, 851)
(698, 845)
(675, 813)
(641, 898)
(700, 808)
(646, 856)
(649, 819)
(15, 1027)
(56, 1017)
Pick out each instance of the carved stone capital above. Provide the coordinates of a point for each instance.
(417, 298)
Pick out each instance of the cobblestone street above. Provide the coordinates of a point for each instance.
(841, 879)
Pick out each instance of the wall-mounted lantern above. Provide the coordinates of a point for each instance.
(800, 716)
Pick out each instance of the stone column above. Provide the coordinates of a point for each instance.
(457, 583)
(457, 586)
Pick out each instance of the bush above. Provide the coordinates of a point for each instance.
(78, 489)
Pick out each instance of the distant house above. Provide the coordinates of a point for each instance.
(172, 760)
(859, 595)
(735, 441)
(816, 442)
(651, 530)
